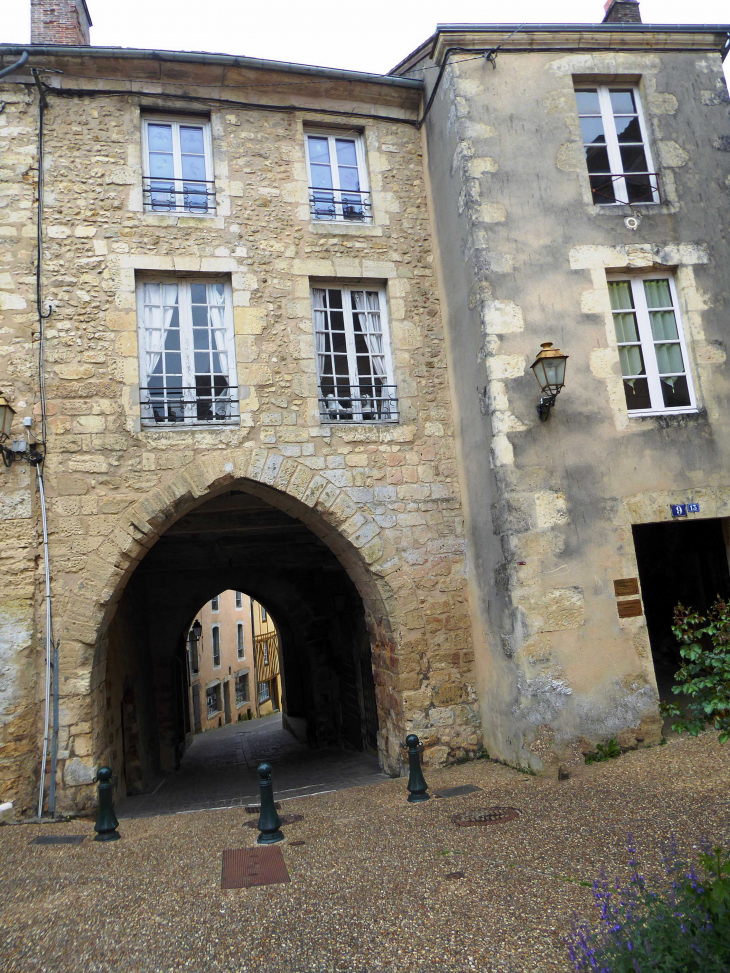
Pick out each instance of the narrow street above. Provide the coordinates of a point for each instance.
(219, 770)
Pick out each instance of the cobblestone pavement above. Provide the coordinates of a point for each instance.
(372, 885)
(219, 770)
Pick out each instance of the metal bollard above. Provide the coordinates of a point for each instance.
(417, 786)
(269, 821)
(106, 819)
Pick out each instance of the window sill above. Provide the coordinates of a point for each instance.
(644, 414)
(345, 229)
(146, 425)
(361, 422)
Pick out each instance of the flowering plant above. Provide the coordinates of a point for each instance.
(681, 926)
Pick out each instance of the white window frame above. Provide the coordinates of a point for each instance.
(227, 405)
(247, 697)
(240, 641)
(213, 630)
(340, 212)
(646, 338)
(215, 603)
(209, 713)
(178, 206)
(265, 687)
(239, 600)
(613, 145)
(334, 411)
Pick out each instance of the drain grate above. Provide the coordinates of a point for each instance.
(458, 791)
(454, 875)
(284, 818)
(492, 815)
(58, 839)
(244, 867)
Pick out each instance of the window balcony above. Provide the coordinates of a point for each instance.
(179, 196)
(340, 206)
(190, 406)
(358, 403)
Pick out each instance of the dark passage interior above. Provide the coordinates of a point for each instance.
(235, 541)
(678, 562)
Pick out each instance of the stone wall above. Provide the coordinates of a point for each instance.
(388, 495)
(524, 255)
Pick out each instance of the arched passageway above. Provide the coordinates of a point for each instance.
(236, 540)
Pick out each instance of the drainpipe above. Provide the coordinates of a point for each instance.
(17, 66)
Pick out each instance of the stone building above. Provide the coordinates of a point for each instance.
(199, 435)
(580, 182)
(290, 331)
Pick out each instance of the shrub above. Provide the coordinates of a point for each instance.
(681, 926)
(604, 751)
(704, 675)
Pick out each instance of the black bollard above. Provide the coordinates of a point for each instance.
(106, 819)
(417, 786)
(269, 820)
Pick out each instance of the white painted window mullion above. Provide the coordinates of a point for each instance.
(643, 322)
(351, 353)
(612, 145)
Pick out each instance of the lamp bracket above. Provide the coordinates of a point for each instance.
(546, 404)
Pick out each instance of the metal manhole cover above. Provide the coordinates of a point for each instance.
(491, 815)
(58, 839)
(284, 818)
(244, 867)
(457, 791)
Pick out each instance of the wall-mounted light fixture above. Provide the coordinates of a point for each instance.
(18, 448)
(549, 370)
(196, 630)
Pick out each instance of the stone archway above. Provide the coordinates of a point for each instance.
(353, 536)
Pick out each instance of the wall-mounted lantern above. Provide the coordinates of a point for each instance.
(196, 630)
(549, 370)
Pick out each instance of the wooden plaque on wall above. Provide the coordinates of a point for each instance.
(630, 608)
(626, 586)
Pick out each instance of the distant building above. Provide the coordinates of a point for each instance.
(234, 663)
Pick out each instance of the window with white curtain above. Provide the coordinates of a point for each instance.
(354, 366)
(187, 356)
(651, 345)
(178, 166)
(338, 182)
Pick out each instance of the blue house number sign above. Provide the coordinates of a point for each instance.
(682, 509)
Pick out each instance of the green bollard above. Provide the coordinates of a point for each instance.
(417, 786)
(269, 821)
(106, 819)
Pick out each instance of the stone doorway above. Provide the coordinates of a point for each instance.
(239, 541)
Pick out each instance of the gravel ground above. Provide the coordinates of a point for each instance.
(369, 889)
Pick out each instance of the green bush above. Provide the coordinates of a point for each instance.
(704, 675)
(604, 751)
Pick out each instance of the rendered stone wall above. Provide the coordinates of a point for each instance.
(389, 493)
(524, 255)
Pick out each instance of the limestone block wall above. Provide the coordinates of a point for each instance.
(524, 254)
(389, 493)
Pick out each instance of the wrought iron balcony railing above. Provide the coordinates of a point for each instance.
(340, 205)
(627, 188)
(178, 195)
(358, 403)
(189, 405)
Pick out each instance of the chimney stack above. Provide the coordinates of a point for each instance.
(60, 22)
(622, 12)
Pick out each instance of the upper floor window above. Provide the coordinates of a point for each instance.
(354, 368)
(617, 150)
(239, 641)
(187, 358)
(239, 599)
(338, 185)
(651, 345)
(216, 641)
(215, 603)
(178, 166)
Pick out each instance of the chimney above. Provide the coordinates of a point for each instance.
(622, 12)
(60, 22)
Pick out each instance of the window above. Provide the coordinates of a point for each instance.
(187, 366)
(338, 188)
(212, 700)
(241, 689)
(178, 166)
(263, 614)
(651, 345)
(265, 648)
(616, 146)
(354, 368)
(193, 654)
(239, 599)
(215, 603)
(239, 641)
(216, 633)
(264, 692)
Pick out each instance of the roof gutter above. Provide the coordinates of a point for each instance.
(219, 60)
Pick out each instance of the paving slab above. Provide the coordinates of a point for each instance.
(372, 887)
